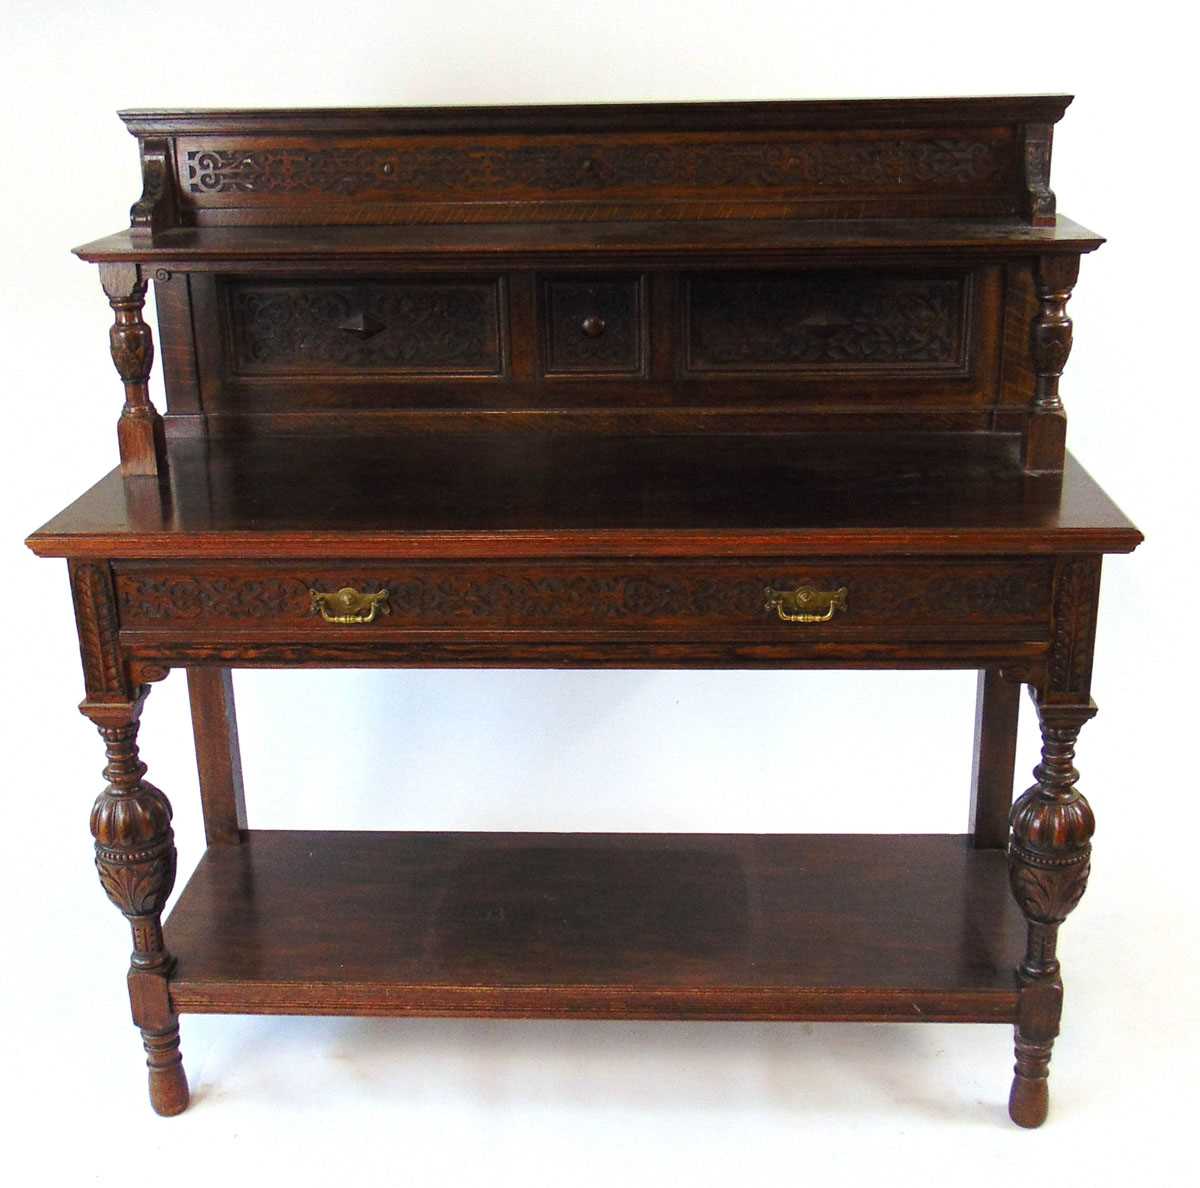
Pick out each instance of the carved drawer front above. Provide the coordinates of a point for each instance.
(593, 326)
(338, 328)
(835, 323)
(748, 599)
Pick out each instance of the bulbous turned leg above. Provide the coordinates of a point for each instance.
(135, 858)
(1049, 861)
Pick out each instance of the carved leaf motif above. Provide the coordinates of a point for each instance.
(1048, 894)
(96, 617)
(1074, 602)
(138, 888)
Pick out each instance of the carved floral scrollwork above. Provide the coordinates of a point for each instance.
(591, 166)
(826, 319)
(506, 595)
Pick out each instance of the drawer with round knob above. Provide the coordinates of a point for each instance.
(593, 326)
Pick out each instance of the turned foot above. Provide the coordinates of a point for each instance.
(1029, 1098)
(168, 1082)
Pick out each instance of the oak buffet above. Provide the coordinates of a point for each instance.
(746, 385)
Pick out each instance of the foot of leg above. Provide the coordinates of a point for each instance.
(168, 1083)
(1029, 1098)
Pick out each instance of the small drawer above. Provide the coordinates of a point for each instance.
(701, 599)
(593, 326)
(828, 323)
(365, 327)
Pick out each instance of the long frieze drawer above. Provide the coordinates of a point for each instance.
(832, 322)
(404, 327)
(750, 597)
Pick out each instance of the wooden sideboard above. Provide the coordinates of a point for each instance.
(746, 385)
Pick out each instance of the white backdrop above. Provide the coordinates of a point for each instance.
(583, 1103)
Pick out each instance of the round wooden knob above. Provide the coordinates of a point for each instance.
(593, 326)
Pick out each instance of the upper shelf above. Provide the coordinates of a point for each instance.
(886, 159)
(638, 243)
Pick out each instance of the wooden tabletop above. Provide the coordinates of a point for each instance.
(524, 494)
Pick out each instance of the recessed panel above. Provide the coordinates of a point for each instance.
(418, 327)
(827, 322)
(593, 326)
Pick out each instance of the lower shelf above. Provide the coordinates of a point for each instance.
(586, 925)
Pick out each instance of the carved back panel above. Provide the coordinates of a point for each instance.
(877, 158)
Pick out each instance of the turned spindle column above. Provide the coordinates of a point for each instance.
(135, 858)
(1049, 862)
(1054, 280)
(140, 429)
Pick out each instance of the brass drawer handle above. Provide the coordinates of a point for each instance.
(806, 604)
(347, 606)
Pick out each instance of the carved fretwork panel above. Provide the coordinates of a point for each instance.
(828, 323)
(597, 176)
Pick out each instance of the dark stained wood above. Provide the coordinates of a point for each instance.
(461, 495)
(985, 157)
(702, 385)
(997, 704)
(218, 755)
(604, 925)
(702, 244)
(140, 433)
(584, 117)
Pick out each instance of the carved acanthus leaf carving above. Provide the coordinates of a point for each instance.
(96, 618)
(1075, 596)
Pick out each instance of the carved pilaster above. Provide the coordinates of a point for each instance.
(140, 429)
(96, 624)
(1076, 601)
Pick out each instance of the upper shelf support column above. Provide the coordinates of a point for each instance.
(1055, 279)
(140, 429)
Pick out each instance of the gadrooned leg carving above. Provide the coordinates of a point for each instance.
(135, 858)
(1049, 861)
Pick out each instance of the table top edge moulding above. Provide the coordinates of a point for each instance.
(700, 385)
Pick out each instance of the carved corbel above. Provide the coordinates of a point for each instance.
(155, 210)
(1039, 197)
